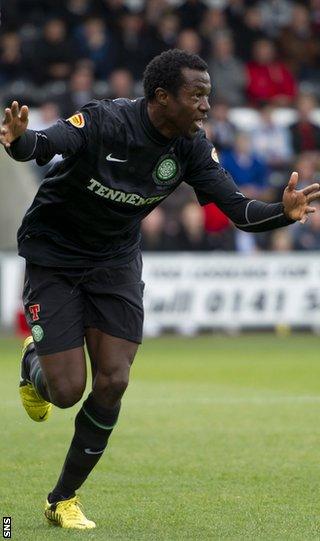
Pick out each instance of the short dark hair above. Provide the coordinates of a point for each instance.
(164, 71)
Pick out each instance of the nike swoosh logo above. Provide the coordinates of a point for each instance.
(43, 416)
(90, 452)
(111, 159)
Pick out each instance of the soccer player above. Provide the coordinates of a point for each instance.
(80, 239)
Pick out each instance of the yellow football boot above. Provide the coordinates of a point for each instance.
(67, 514)
(36, 407)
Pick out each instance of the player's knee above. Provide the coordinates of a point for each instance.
(66, 397)
(117, 383)
(111, 387)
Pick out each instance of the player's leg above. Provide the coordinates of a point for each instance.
(114, 317)
(111, 360)
(58, 379)
(53, 364)
(32, 387)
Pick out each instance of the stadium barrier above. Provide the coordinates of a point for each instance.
(188, 293)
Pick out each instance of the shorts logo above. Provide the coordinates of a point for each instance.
(77, 120)
(37, 333)
(167, 170)
(34, 310)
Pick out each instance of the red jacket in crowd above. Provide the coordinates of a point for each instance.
(271, 82)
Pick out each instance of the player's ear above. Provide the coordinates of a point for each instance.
(161, 96)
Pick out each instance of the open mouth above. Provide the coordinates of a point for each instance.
(199, 123)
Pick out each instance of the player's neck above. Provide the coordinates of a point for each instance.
(160, 123)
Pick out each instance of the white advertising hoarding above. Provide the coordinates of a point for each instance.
(199, 291)
(190, 292)
(11, 283)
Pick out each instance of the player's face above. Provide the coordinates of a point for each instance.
(189, 108)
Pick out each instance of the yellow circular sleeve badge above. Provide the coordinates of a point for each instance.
(77, 120)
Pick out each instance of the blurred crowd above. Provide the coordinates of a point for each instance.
(264, 61)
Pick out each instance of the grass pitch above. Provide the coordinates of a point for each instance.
(218, 439)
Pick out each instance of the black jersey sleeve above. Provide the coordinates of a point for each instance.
(213, 184)
(66, 137)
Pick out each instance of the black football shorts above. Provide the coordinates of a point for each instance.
(60, 303)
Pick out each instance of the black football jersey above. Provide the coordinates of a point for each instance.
(117, 168)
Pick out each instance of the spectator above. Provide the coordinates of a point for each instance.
(249, 172)
(275, 15)
(79, 91)
(13, 21)
(234, 13)
(247, 32)
(34, 13)
(121, 84)
(214, 219)
(281, 240)
(270, 141)
(268, 78)
(189, 41)
(77, 11)
(11, 60)
(48, 114)
(166, 36)
(306, 166)
(315, 15)
(222, 131)
(191, 13)
(97, 44)
(298, 44)
(307, 236)
(227, 72)
(134, 49)
(154, 10)
(112, 11)
(244, 243)
(192, 235)
(55, 53)
(217, 224)
(213, 24)
(305, 134)
(153, 235)
(181, 197)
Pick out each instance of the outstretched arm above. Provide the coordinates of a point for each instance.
(212, 183)
(255, 216)
(61, 138)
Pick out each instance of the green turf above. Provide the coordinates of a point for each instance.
(218, 439)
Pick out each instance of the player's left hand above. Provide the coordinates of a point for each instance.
(296, 203)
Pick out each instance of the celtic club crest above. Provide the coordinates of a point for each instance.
(37, 333)
(167, 170)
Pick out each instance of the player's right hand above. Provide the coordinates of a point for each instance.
(14, 124)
